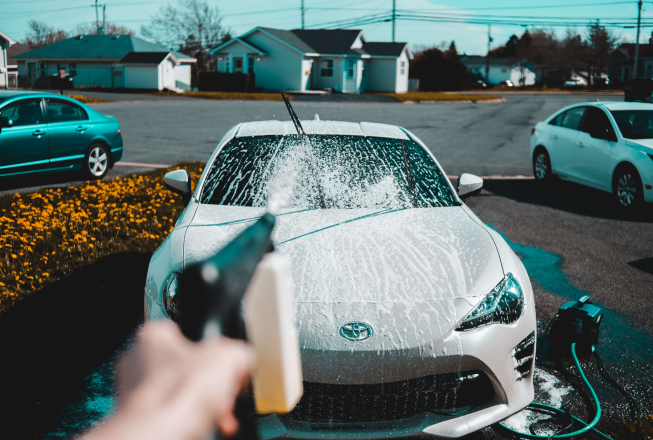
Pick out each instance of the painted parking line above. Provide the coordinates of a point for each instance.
(141, 165)
(518, 177)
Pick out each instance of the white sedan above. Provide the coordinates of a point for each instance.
(414, 317)
(575, 81)
(605, 145)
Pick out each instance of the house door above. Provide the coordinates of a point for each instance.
(31, 73)
(350, 76)
(238, 64)
(307, 73)
(118, 77)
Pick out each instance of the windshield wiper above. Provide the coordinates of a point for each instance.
(304, 137)
(410, 175)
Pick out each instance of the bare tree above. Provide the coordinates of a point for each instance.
(41, 34)
(109, 29)
(191, 26)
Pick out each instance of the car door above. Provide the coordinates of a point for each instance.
(594, 146)
(563, 141)
(24, 144)
(69, 131)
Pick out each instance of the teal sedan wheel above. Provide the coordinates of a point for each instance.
(96, 161)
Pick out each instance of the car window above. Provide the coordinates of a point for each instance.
(557, 120)
(59, 110)
(25, 112)
(596, 119)
(335, 171)
(573, 117)
(634, 124)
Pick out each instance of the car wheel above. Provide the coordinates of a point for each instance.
(96, 161)
(542, 166)
(627, 188)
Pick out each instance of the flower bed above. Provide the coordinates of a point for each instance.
(86, 99)
(46, 235)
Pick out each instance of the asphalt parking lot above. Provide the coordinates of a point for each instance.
(570, 238)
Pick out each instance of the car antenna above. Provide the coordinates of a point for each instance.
(302, 134)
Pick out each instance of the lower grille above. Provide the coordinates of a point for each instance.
(523, 354)
(443, 393)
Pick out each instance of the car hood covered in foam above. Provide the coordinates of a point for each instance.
(411, 274)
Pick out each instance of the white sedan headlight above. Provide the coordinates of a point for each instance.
(170, 297)
(503, 305)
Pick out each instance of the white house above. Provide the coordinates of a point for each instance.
(518, 71)
(302, 60)
(109, 61)
(5, 42)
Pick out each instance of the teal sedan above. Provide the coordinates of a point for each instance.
(48, 133)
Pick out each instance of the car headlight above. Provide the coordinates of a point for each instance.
(503, 305)
(170, 297)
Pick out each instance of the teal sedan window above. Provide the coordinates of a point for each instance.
(59, 110)
(26, 112)
(334, 171)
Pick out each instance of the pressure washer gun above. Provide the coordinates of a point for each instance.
(245, 292)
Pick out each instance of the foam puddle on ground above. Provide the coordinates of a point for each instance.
(548, 389)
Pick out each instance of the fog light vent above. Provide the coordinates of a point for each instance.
(523, 354)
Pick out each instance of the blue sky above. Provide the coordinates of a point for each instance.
(242, 15)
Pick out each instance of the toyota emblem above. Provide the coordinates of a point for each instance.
(356, 331)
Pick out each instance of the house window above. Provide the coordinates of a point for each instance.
(117, 73)
(504, 70)
(326, 68)
(250, 65)
(44, 69)
(227, 68)
(403, 68)
(72, 69)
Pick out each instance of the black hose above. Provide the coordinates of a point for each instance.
(634, 406)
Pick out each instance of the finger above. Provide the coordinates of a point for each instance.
(228, 424)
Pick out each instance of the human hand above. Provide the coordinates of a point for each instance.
(171, 388)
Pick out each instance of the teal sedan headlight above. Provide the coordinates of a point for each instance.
(503, 305)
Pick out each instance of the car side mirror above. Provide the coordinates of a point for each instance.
(468, 185)
(602, 133)
(178, 182)
(5, 122)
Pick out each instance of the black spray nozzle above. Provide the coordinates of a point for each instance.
(211, 291)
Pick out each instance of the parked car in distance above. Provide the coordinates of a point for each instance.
(605, 145)
(49, 133)
(575, 81)
(506, 83)
(480, 84)
(440, 347)
(639, 90)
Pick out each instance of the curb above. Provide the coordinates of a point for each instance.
(462, 101)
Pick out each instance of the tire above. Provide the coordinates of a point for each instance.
(627, 189)
(96, 161)
(542, 166)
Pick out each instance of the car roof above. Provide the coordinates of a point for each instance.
(621, 105)
(268, 128)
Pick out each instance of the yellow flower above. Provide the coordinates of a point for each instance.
(45, 274)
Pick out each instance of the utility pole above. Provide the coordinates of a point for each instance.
(639, 15)
(487, 57)
(302, 14)
(97, 19)
(394, 10)
(104, 18)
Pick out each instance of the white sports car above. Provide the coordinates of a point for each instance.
(414, 317)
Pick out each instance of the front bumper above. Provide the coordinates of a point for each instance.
(490, 350)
